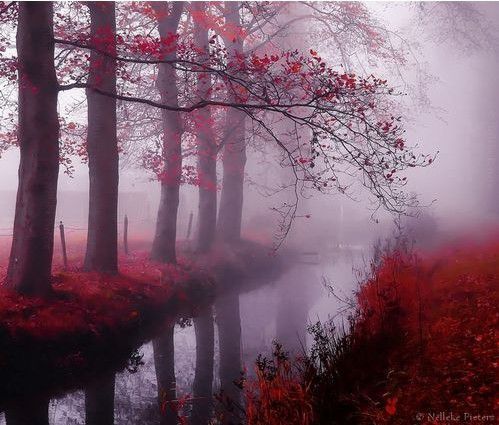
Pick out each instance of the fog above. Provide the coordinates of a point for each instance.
(449, 82)
(457, 122)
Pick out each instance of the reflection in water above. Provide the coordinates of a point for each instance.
(284, 309)
(228, 319)
(202, 388)
(281, 310)
(164, 361)
(99, 401)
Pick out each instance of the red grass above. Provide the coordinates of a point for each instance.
(91, 320)
(444, 305)
(89, 301)
(447, 361)
(282, 399)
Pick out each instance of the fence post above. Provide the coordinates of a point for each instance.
(125, 234)
(63, 244)
(189, 226)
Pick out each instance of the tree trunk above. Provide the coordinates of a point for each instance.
(163, 248)
(207, 217)
(229, 229)
(234, 161)
(207, 151)
(164, 362)
(99, 402)
(234, 153)
(207, 171)
(203, 380)
(30, 263)
(229, 337)
(102, 145)
(103, 160)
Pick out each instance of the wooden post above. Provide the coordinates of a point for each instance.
(189, 226)
(125, 234)
(63, 244)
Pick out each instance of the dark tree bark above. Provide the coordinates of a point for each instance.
(207, 152)
(203, 380)
(164, 362)
(99, 402)
(163, 248)
(30, 412)
(30, 263)
(234, 153)
(103, 159)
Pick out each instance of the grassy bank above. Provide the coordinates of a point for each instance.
(421, 346)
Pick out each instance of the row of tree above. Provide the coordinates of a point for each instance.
(326, 125)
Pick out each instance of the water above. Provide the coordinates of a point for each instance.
(280, 310)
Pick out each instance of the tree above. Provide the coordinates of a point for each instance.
(339, 127)
(230, 213)
(165, 238)
(99, 401)
(234, 143)
(102, 149)
(166, 225)
(102, 145)
(30, 263)
(206, 146)
(207, 214)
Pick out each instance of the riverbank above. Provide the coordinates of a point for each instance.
(93, 322)
(421, 346)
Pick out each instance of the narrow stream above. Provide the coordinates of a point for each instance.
(298, 298)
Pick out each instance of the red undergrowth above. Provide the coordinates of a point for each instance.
(447, 360)
(422, 348)
(91, 322)
(83, 302)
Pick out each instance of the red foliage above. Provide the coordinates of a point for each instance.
(279, 398)
(91, 322)
(447, 361)
(92, 302)
(435, 320)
